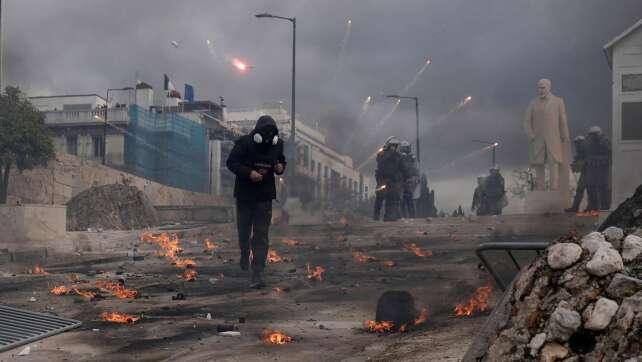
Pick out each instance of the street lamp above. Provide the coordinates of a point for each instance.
(416, 99)
(293, 115)
(104, 147)
(491, 145)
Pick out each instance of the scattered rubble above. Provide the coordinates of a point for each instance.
(580, 301)
(628, 215)
(110, 207)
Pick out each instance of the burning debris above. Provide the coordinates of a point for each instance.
(117, 289)
(316, 274)
(479, 302)
(417, 250)
(579, 301)
(171, 246)
(210, 245)
(61, 290)
(290, 242)
(38, 270)
(276, 337)
(388, 263)
(379, 327)
(117, 317)
(274, 257)
(363, 258)
(396, 312)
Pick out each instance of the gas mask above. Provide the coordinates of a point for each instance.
(266, 136)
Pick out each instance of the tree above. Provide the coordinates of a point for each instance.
(24, 140)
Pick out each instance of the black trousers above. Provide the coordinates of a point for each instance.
(579, 193)
(253, 219)
(407, 205)
(598, 196)
(393, 199)
(378, 204)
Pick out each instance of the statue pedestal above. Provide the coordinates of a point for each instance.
(540, 202)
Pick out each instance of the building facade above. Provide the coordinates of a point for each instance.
(624, 55)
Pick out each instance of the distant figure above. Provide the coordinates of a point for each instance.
(410, 181)
(598, 157)
(578, 166)
(480, 202)
(426, 202)
(460, 212)
(255, 159)
(389, 175)
(495, 192)
(546, 127)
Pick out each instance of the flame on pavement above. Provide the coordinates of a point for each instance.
(316, 274)
(422, 317)
(61, 290)
(38, 270)
(274, 257)
(171, 246)
(290, 242)
(417, 250)
(379, 327)
(185, 263)
(276, 337)
(117, 289)
(210, 245)
(479, 302)
(117, 317)
(363, 258)
(388, 263)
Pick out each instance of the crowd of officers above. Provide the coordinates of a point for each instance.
(490, 194)
(397, 177)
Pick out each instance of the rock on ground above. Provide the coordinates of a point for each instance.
(594, 241)
(563, 322)
(623, 286)
(553, 352)
(110, 207)
(601, 314)
(614, 235)
(563, 255)
(604, 262)
(631, 248)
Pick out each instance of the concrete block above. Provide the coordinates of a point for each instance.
(32, 222)
(540, 202)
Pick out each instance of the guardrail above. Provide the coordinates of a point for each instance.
(535, 246)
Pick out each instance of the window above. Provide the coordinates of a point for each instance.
(72, 145)
(631, 82)
(312, 165)
(631, 121)
(98, 145)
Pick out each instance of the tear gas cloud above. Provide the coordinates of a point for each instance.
(492, 50)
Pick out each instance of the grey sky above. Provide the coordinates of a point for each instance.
(493, 50)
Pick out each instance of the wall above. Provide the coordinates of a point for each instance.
(68, 175)
(32, 223)
(57, 102)
(627, 175)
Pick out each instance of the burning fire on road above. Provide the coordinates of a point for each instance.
(379, 327)
(479, 302)
(316, 274)
(417, 250)
(274, 257)
(170, 245)
(117, 317)
(363, 258)
(117, 289)
(276, 337)
(388, 263)
(290, 242)
(210, 245)
(38, 270)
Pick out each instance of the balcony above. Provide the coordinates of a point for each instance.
(90, 117)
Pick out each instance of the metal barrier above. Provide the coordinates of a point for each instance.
(535, 246)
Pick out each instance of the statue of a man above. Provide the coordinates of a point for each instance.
(549, 145)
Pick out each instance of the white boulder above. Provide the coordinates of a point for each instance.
(563, 255)
(605, 261)
(601, 315)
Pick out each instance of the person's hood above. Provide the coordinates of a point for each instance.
(264, 121)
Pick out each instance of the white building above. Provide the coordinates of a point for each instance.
(624, 54)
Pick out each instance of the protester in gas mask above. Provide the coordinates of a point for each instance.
(255, 159)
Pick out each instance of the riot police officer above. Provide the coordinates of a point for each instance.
(598, 156)
(389, 175)
(578, 165)
(410, 180)
(495, 191)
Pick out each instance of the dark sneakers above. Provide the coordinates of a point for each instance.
(245, 261)
(257, 282)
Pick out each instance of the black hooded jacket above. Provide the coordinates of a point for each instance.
(248, 155)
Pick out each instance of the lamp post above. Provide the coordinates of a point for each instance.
(293, 115)
(416, 99)
(104, 146)
(492, 145)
